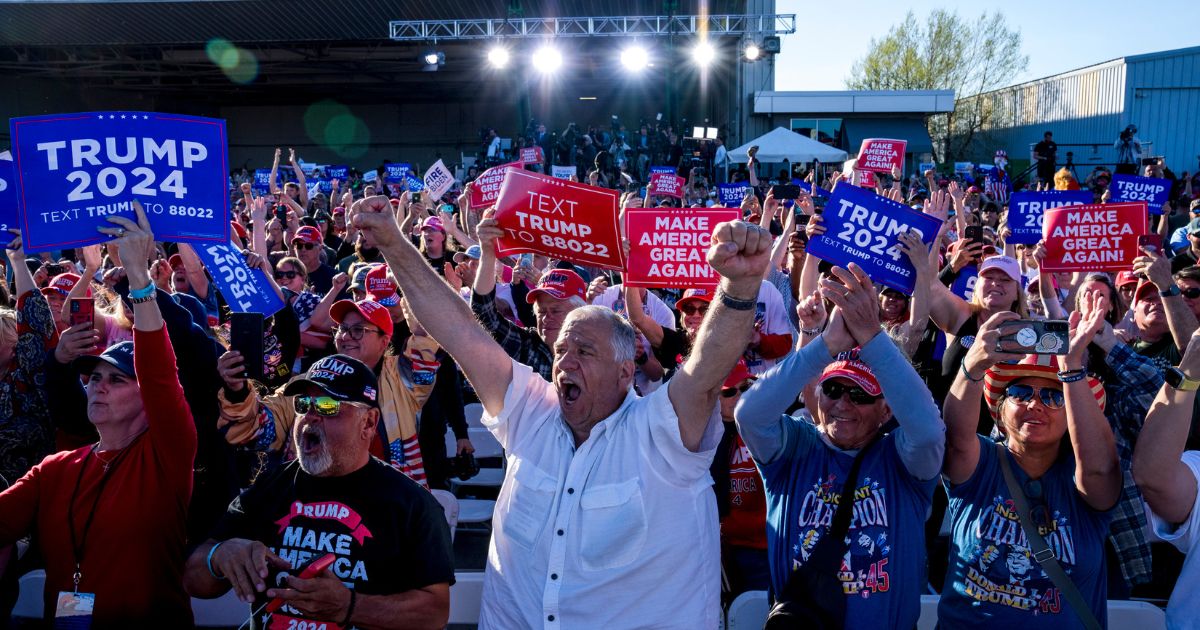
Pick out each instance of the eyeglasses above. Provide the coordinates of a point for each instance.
(730, 392)
(323, 405)
(858, 395)
(1050, 398)
(1190, 293)
(306, 246)
(692, 309)
(280, 275)
(355, 332)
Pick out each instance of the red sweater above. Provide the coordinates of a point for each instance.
(134, 554)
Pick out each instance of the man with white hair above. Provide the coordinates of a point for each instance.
(607, 498)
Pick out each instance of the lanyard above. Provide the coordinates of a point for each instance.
(77, 546)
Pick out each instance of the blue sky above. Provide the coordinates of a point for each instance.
(1057, 36)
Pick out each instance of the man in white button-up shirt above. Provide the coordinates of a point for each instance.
(606, 518)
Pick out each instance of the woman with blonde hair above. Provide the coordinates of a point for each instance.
(1065, 180)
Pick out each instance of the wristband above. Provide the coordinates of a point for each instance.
(208, 562)
(815, 330)
(147, 291)
(735, 303)
(1070, 376)
(141, 300)
(962, 365)
(349, 609)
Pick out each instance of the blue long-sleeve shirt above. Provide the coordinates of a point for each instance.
(804, 473)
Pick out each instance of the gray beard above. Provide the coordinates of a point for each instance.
(317, 464)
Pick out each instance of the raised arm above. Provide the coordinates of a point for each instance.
(1167, 483)
(445, 316)
(739, 253)
(299, 178)
(638, 317)
(918, 304)
(274, 190)
(194, 269)
(1180, 319)
(1097, 470)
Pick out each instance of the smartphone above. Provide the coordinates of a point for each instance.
(1150, 161)
(54, 269)
(785, 191)
(973, 234)
(1036, 337)
(801, 220)
(447, 208)
(1152, 241)
(414, 197)
(525, 260)
(83, 310)
(312, 569)
(246, 337)
(281, 213)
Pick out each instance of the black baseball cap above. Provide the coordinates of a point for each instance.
(118, 355)
(340, 377)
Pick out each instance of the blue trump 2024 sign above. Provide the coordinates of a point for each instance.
(732, 195)
(74, 171)
(1154, 191)
(863, 228)
(1025, 211)
(246, 290)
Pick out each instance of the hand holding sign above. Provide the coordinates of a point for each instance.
(740, 252)
(135, 243)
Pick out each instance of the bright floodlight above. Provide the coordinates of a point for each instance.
(547, 59)
(431, 59)
(635, 58)
(703, 53)
(498, 56)
(752, 52)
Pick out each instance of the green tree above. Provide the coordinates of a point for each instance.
(946, 52)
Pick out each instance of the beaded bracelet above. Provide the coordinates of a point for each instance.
(1070, 376)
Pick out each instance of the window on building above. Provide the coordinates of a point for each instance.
(824, 130)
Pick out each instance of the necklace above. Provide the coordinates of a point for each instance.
(106, 462)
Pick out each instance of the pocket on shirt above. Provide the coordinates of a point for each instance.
(613, 525)
(529, 504)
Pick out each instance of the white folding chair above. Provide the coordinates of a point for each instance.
(449, 506)
(748, 610)
(474, 413)
(29, 599)
(1134, 615)
(226, 611)
(486, 446)
(465, 596)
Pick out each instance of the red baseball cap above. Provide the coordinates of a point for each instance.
(856, 371)
(736, 376)
(433, 223)
(1144, 287)
(307, 234)
(239, 229)
(702, 295)
(63, 283)
(176, 261)
(339, 210)
(559, 284)
(373, 312)
(1125, 277)
(380, 288)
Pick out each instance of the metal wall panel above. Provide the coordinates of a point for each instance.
(1163, 92)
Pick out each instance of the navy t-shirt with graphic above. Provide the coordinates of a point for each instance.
(993, 577)
(388, 533)
(883, 571)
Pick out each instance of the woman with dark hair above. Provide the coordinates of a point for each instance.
(1025, 507)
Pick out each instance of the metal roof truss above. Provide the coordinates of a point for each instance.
(613, 26)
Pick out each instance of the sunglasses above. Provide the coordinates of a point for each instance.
(323, 405)
(1191, 294)
(692, 309)
(1050, 398)
(858, 395)
(355, 332)
(306, 246)
(730, 392)
(280, 275)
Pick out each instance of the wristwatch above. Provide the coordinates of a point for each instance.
(1177, 380)
(1174, 290)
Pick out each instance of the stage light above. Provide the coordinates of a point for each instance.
(547, 59)
(635, 58)
(498, 56)
(431, 59)
(703, 53)
(752, 52)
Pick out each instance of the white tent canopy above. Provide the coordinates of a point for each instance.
(780, 145)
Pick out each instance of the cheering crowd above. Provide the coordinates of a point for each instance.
(796, 429)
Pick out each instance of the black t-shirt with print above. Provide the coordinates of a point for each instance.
(389, 534)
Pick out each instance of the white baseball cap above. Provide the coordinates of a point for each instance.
(1007, 264)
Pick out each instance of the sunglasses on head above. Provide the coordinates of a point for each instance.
(730, 392)
(323, 405)
(280, 275)
(1050, 398)
(858, 395)
(692, 309)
